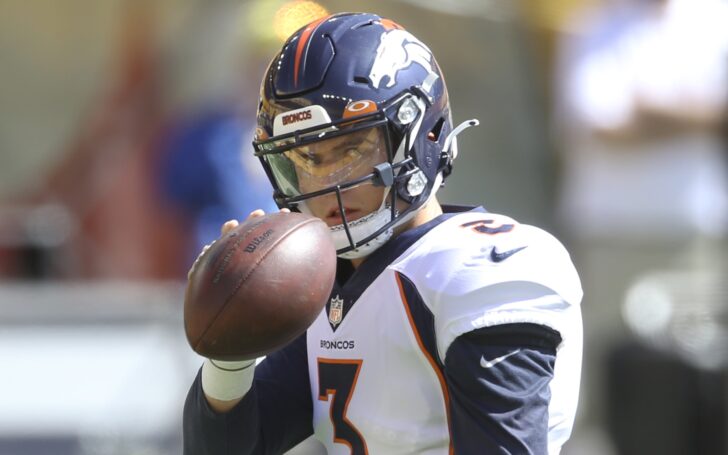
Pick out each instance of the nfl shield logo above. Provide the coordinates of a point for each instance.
(336, 310)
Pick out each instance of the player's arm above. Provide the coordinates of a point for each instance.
(272, 416)
(236, 405)
(498, 381)
(499, 320)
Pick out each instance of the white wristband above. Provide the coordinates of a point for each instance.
(227, 381)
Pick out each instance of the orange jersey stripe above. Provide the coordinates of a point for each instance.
(433, 364)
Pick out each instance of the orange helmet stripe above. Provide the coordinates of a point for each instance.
(389, 24)
(302, 43)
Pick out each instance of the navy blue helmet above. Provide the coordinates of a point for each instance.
(372, 95)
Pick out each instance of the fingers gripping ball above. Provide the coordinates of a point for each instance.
(259, 286)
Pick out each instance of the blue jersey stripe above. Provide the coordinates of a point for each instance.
(422, 323)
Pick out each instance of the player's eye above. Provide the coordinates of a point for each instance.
(307, 157)
(350, 154)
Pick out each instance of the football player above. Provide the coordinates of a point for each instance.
(449, 329)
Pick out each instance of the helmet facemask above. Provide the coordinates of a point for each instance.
(328, 160)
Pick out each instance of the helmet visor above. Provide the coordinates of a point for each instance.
(323, 163)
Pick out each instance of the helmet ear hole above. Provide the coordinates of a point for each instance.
(434, 134)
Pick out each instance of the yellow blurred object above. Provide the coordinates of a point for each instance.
(256, 22)
(294, 15)
(555, 14)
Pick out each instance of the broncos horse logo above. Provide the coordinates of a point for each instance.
(397, 50)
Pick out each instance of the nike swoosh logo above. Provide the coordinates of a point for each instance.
(498, 257)
(489, 364)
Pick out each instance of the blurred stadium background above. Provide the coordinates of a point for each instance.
(124, 143)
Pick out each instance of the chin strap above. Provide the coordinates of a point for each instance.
(450, 148)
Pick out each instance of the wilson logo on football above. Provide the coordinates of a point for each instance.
(297, 117)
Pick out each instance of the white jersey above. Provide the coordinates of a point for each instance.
(462, 335)
(377, 356)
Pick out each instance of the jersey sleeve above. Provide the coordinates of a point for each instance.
(485, 269)
(274, 416)
(498, 380)
(478, 271)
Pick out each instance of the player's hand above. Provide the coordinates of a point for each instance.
(225, 383)
(227, 227)
(232, 224)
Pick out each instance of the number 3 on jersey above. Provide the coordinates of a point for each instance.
(337, 380)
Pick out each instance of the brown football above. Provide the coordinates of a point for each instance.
(259, 287)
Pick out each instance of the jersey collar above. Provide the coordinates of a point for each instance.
(351, 284)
